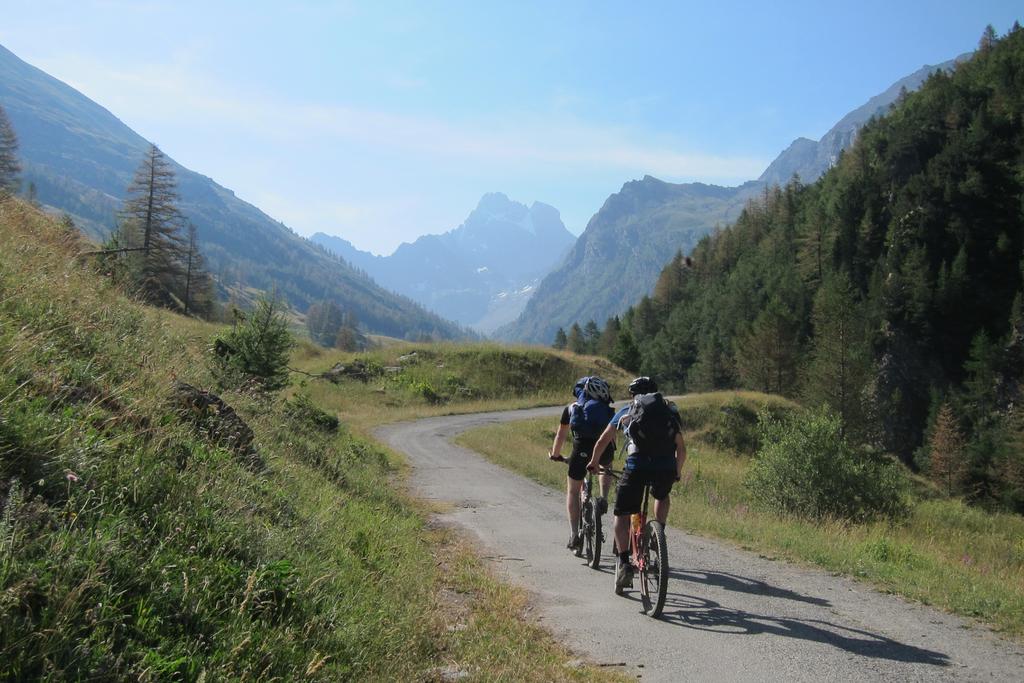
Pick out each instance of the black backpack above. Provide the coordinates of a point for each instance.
(653, 425)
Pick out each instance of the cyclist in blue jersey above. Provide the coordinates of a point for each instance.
(660, 469)
(588, 391)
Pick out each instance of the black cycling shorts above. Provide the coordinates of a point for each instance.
(629, 495)
(581, 456)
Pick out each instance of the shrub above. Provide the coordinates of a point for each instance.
(301, 409)
(256, 348)
(805, 467)
(735, 428)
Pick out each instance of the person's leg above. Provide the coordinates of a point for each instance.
(605, 484)
(572, 503)
(661, 509)
(621, 528)
(661, 487)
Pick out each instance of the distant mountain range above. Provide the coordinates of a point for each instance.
(80, 158)
(481, 273)
(617, 259)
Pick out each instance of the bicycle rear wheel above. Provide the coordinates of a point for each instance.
(654, 575)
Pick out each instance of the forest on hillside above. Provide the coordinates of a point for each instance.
(889, 290)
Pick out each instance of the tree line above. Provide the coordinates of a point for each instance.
(891, 290)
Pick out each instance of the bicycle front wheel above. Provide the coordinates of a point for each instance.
(654, 574)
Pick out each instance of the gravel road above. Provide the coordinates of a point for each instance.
(730, 616)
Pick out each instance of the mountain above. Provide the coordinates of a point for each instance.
(639, 229)
(80, 158)
(623, 249)
(481, 273)
(809, 159)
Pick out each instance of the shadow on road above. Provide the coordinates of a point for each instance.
(742, 584)
(707, 615)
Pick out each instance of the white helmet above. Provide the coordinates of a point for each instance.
(597, 389)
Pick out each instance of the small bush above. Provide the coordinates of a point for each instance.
(301, 409)
(256, 349)
(805, 467)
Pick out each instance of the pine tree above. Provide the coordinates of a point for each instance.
(323, 320)
(591, 335)
(766, 356)
(840, 362)
(10, 168)
(198, 297)
(609, 335)
(669, 285)
(151, 223)
(576, 342)
(646, 320)
(946, 462)
(561, 341)
(626, 354)
(258, 346)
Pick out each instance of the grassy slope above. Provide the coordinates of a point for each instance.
(131, 546)
(447, 379)
(961, 559)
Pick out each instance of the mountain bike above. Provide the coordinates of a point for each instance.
(649, 557)
(589, 522)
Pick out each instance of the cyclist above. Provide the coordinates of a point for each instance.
(661, 469)
(586, 417)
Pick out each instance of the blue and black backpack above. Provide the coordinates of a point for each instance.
(588, 417)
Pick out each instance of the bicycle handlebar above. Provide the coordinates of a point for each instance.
(600, 470)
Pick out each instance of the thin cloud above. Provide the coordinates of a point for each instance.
(177, 91)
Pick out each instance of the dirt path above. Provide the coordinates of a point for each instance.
(730, 615)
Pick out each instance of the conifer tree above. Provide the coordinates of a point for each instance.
(766, 356)
(669, 285)
(10, 168)
(198, 297)
(840, 362)
(576, 341)
(626, 354)
(561, 341)
(946, 462)
(591, 335)
(349, 338)
(712, 367)
(257, 348)
(323, 320)
(609, 335)
(151, 224)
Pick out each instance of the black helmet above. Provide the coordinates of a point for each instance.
(642, 385)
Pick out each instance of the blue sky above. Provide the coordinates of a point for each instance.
(382, 121)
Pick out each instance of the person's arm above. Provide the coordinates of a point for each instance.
(607, 437)
(680, 454)
(556, 447)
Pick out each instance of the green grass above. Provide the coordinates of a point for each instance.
(959, 558)
(133, 547)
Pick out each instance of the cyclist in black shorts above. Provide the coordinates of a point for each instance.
(591, 388)
(661, 469)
